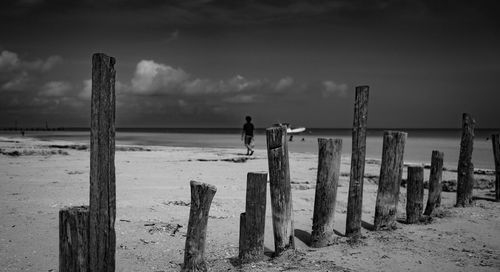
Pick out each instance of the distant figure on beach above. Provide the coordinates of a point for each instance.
(247, 135)
(22, 133)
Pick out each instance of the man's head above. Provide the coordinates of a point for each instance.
(248, 118)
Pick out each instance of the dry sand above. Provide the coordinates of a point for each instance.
(152, 211)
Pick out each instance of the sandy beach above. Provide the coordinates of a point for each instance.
(153, 195)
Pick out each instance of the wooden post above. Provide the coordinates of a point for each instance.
(74, 239)
(495, 139)
(280, 188)
(253, 220)
(465, 171)
(435, 178)
(102, 165)
(329, 155)
(414, 194)
(201, 199)
(355, 198)
(391, 171)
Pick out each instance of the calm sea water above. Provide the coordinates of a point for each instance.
(419, 145)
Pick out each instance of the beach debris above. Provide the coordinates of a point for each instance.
(176, 203)
(124, 220)
(161, 227)
(235, 160)
(32, 152)
(74, 172)
(132, 148)
(72, 146)
(147, 242)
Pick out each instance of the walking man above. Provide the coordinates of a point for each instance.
(247, 135)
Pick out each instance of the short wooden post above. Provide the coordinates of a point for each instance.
(465, 171)
(201, 199)
(355, 198)
(414, 194)
(280, 188)
(391, 171)
(327, 181)
(74, 239)
(435, 178)
(495, 139)
(253, 220)
(102, 165)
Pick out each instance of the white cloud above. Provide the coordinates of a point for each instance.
(55, 89)
(284, 83)
(8, 60)
(151, 77)
(16, 81)
(240, 99)
(86, 91)
(332, 88)
(18, 75)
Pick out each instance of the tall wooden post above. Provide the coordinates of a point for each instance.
(253, 220)
(102, 165)
(391, 171)
(201, 199)
(465, 171)
(327, 181)
(74, 239)
(355, 198)
(414, 194)
(281, 190)
(495, 139)
(435, 178)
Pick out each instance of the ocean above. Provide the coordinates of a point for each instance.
(418, 149)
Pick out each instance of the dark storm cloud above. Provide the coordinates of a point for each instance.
(230, 12)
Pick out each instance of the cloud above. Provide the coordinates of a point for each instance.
(86, 91)
(55, 89)
(241, 99)
(173, 36)
(20, 75)
(284, 83)
(332, 88)
(151, 77)
(8, 60)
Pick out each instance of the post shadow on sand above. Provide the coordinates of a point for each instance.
(485, 198)
(367, 226)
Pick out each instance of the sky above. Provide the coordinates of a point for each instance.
(209, 63)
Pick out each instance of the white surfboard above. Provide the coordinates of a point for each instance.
(295, 130)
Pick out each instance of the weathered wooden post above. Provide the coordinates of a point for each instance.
(495, 139)
(281, 190)
(465, 171)
(102, 239)
(435, 178)
(74, 239)
(253, 220)
(201, 199)
(391, 171)
(414, 194)
(327, 181)
(355, 198)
